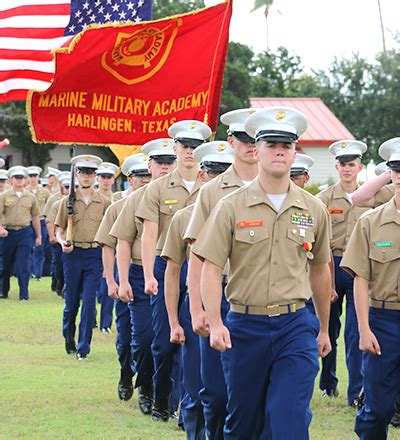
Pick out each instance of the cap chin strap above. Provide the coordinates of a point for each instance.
(86, 187)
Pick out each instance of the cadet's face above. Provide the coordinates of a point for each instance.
(206, 176)
(18, 184)
(52, 180)
(85, 179)
(300, 180)
(275, 158)
(105, 183)
(2, 184)
(34, 180)
(396, 179)
(348, 171)
(160, 169)
(64, 190)
(184, 156)
(139, 181)
(244, 151)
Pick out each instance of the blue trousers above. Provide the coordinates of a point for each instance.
(191, 405)
(270, 372)
(57, 269)
(213, 395)
(124, 339)
(107, 306)
(38, 255)
(328, 379)
(163, 351)
(381, 377)
(17, 252)
(83, 270)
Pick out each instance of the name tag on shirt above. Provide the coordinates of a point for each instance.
(336, 211)
(170, 202)
(381, 244)
(250, 223)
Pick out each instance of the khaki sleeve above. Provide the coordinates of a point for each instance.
(124, 227)
(46, 194)
(103, 233)
(199, 216)
(61, 218)
(215, 239)
(35, 210)
(322, 250)
(51, 216)
(1, 206)
(383, 195)
(149, 208)
(356, 260)
(323, 197)
(47, 208)
(174, 246)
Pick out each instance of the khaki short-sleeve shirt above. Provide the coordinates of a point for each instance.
(127, 227)
(50, 201)
(384, 195)
(209, 194)
(344, 216)
(373, 252)
(163, 198)
(86, 218)
(117, 196)
(266, 249)
(17, 212)
(103, 233)
(51, 217)
(175, 247)
(108, 194)
(42, 195)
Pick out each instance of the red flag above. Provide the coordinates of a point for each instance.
(126, 84)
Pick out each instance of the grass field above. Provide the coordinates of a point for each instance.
(45, 394)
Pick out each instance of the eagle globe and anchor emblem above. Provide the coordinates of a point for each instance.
(139, 55)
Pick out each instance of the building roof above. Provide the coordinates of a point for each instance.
(324, 127)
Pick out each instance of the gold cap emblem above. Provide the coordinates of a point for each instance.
(193, 126)
(87, 158)
(165, 144)
(145, 158)
(280, 115)
(343, 145)
(221, 147)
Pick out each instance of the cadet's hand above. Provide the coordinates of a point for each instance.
(38, 241)
(125, 293)
(112, 289)
(199, 323)
(3, 232)
(177, 335)
(65, 248)
(369, 343)
(53, 240)
(334, 296)
(151, 286)
(220, 339)
(324, 344)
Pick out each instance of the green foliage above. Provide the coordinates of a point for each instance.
(313, 188)
(258, 4)
(166, 8)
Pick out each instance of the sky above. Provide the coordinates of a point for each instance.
(317, 30)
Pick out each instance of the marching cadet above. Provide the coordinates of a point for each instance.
(162, 160)
(214, 158)
(161, 200)
(344, 214)
(52, 180)
(300, 171)
(3, 187)
(42, 195)
(18, 208)
(105, 176)
(81, 257)
(133, 166)
(372, 257)
(275, 235)
(3, 180)
(243, 171)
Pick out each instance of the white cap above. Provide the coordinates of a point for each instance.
(64, 175)
(44, 181)
(215, 151)
(18, 171)
(107, 168)
(301, 165)
(3, 175)
(347, 150)
(390, 150)
(276, 124)
(190, 132)
(2, 162)
(34, 170)
(381, 168)
(86, 161)
(159, 148)
(235, 120)
(136, 164)
(52, 172)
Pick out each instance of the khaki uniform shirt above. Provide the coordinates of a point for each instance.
(50, 201)
(175, 247)
(373, 252)
(209, 195)
(51, 216)
(17, 212)
(384, 195)
(118, 196)
(128, 228)
(103, 233)
(163, 198)
(87, 218)
(108, 194)
(268, 260)
(343, 214)
(42, 195)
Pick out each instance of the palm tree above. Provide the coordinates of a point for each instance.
(266, 4)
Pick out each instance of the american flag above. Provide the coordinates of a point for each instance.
(30, 29)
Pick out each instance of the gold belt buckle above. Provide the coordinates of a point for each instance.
(273, 310)
(85, 245)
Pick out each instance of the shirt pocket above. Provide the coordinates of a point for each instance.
(250, 245)
(251, 236)
(96, 216)
(384, 255)
(295, 235)
(170, 209)
(26, 203)
(337, 218)
(10, 202)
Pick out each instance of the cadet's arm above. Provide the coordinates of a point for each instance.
(149, 242)
(108, 257)
(124, 255)
(367, 191)
(38, 231)
(51, 231)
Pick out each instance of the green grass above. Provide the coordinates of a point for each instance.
(45, 394)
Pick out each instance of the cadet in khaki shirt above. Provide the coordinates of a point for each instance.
(18, 208)
(373, 257)
(344, 214)
(243, 171)
(276, 236)
(162, 160)
(82, 258)
(214, 158)
(162, 199)
(106, 178)
(3, 181)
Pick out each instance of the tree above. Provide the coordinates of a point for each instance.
(266, 4)
(166, 8)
